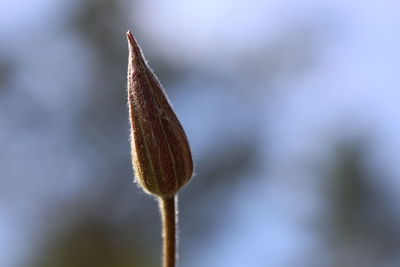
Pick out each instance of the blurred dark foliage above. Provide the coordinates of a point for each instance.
(360, 220)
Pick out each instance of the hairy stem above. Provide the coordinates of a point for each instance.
(169, 225)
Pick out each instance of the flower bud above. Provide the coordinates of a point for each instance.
(161, 153)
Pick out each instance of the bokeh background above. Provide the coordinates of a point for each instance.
(292, 109)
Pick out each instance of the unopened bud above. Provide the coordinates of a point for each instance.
(161, 153)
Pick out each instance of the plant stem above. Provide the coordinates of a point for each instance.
(169, 225)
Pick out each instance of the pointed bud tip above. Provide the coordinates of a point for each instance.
(130, 37)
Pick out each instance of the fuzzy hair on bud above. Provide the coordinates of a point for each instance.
(161, 154)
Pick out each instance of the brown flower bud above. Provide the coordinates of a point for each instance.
(160, 150)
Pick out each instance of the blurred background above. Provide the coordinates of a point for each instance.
(292, 110)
